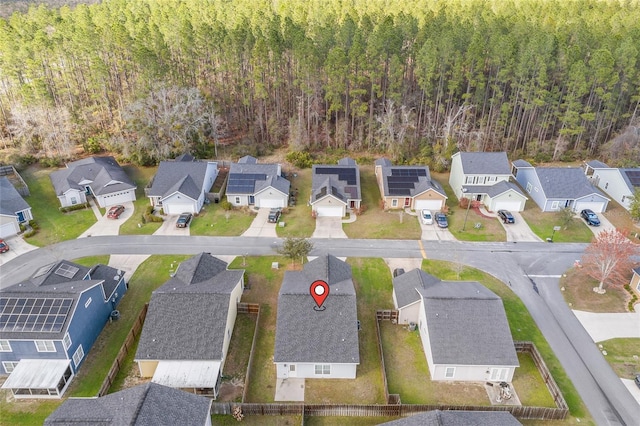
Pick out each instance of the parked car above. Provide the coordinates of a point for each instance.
(637, 380)
(506, 216)
(4, 247)
(427, 217)
(274, 215)
(590, 217)
(115, 211)
(397, 272)
(183, 220)
(441, 220)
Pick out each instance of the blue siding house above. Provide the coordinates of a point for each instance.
(49, 322)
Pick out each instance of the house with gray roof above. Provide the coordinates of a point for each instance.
(317, 342)
(148, 404)
(621, 184)
(335, 189)
(482, 349)
(259, 185)
(189, 323)
(557, 188)
(181, 185)
(408, 187)
(49, 322)
(457, 418)
(100, 177)
(485, 177)
(14, 210)
(635, 280)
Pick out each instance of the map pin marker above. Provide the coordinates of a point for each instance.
(319, 291)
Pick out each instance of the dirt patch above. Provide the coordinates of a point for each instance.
(231, 391)
(133, 378)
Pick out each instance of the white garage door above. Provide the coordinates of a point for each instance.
(512, 206)
(119, 198)
(428, 205)
(271, 202)
(596, 206)
(8, 229)
(178, 208)
(329, 211)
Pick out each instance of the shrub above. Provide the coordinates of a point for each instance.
(148, 215)
(33, 224)
(301, 160)
(74, 207)
(226, 205)
(30, 233)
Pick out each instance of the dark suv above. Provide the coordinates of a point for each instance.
(590, 217)
(506, 216)
(183, 220)
(274, 215)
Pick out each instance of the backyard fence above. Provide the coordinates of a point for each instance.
(249, 308)
(390, 398)
(124, 351)
(16, 180)
(387, 315)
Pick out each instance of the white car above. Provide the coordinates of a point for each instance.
(427, 217)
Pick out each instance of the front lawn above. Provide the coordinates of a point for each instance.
(214, 220)
(578, 293)
(90, 261)
(54, 226)
(623, 355)
(542, 224)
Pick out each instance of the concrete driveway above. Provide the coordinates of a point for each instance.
(168, 227)
(604, 224)
(260, 227)
(407, 263)
(17, 246)
(519, 231)
(605, 326)
(434, 233)
(106, 226)
(328, 227)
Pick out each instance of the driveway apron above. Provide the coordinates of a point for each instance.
(329, 227)
(260, 226)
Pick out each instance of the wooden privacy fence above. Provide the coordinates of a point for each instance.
(387, 315)
(124, 351)
(390, 398)
(248, 308)
(256, 307)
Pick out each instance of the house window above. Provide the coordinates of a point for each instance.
(638, 286)
(5, 346)
(45, 345)
(606, 185)
(323, 369)
(529, 187)
(491, 179)
(237, 200)
(292, 367)
(74, 200)
(554, 205)
(449, 372)
(499, 374)
(66, 341)
(78, 355)
(468, 180)
(394, 202)
(87, 303)
(9, 366)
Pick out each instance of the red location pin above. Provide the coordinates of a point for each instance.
(319, 291)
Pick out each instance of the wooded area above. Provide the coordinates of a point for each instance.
(414, 79)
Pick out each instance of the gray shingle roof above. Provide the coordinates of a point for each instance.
(252, 183)
(423, 183)
(186, 177)
(331, 183)
(187, 315)
(382, 162)
(405, 286)
(248, 159)
(595, 164)
(631, 178)
(457, 418)
(521, 163)
(492, 190)
(149, 404)
(306, 335)
(565, 183)
(105, 174)
(476, 317)
(485, 163)
(11, 201)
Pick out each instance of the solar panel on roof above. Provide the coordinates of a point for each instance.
(43, 270)
(347, 174)
(33, 314)
(66, 270)
(634, 177)
(410, 185)
(392, 179)
(408, 172)
(402, 191)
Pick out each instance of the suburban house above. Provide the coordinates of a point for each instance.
(14, 210)
(484, 177)
(483, 348)
(457, 418)
(619, 184)
(635, 280)
(181, 185)
(259, 185)
(188, 327)
(408, 187)
(146, 404)
(49, 322)
(557, 188)
(313, 342)
(335, 189)
(100, 177)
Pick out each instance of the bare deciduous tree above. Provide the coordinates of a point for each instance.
(608, 258)
(43, 131)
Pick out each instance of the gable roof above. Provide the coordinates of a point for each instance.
(636, 270)
(11, 201)
(521, 163)
(185, 176)
(104, 174)
(485, 163)
(187, 315)
(149, 404)
(595, 164)
(476, 316)
(493, 190)
(306, 335)
(405, 286)
(457, 418)
(565, 183)
(248, 177)
(407, 180)
(341, 180)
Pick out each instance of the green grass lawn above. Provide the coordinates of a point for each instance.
(375, 222)
(141, 176)
(214, 220)
(529, 385)
(219, 419)
(298, 220)
(54, 226)
(620, 355)
(542, 224)
(90, 261)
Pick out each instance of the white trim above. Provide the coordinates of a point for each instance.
(66, 341)
(45, 345)
(324, 369)
(5, 346)
(555, 205)
(9, 366)
(88, 302)
(78, 355)
(449, 372)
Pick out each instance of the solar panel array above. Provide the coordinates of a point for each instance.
(346, 174)
(634, 177)
(31, 314)
(243, 183)
(408, 172)
(403, 181)
(66, 270)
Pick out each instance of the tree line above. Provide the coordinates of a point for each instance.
(414, 79)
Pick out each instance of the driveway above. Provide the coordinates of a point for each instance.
(407, 263)
(260, 227)
(168, 227)
(17, 246)
(106, 226)
(519, 231)
(328, 227)
(434, 233)
(605, 326)
(604, 224)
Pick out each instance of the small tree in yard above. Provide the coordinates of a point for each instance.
(608, 258)
(635, 206)
(295, 248)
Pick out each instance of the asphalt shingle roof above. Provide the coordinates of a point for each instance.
(406, 285)
(423, 183)
(11, 201)
(148, 404)
(249, 167)
(595, 164)
(330, 183)
(187, 315)
(457, 418)
(485, 163)
(105, 174)
(186, 176)
(306, 335)
(565, 183)
(521, 163)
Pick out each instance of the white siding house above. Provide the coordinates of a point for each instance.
(259, 185)
(619, 184)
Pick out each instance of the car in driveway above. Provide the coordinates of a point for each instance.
(506, 216)
(115, 211)
(397, 272)
(4, 247)
(426, 217)
(590, 217)
(637, 380)
(183, 220)
(441, 220)
(274, 215)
